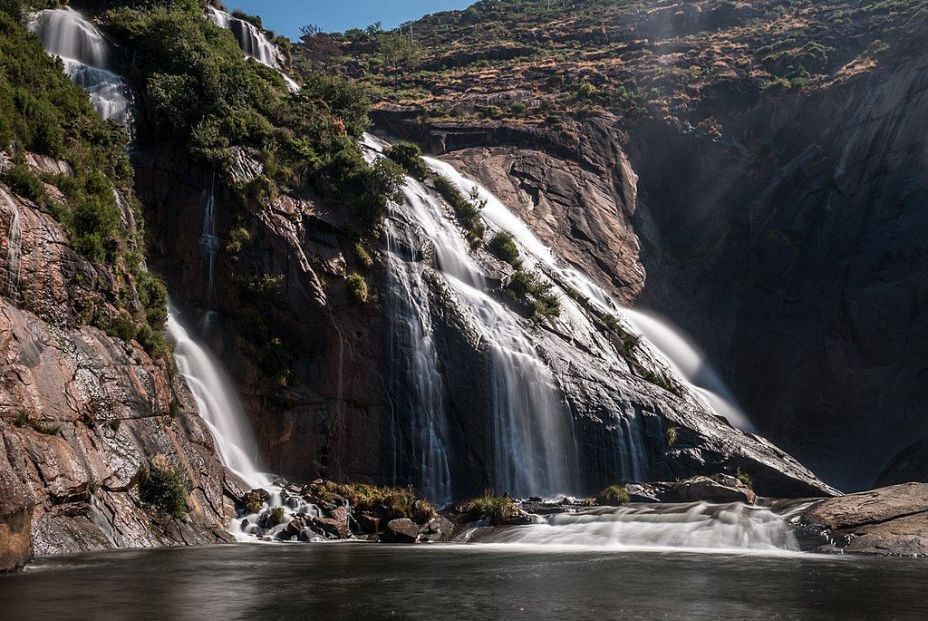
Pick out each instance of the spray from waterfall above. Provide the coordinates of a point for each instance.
(679, 356)
(217, 403)
(85, 54)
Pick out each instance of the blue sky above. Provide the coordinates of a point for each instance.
(286, 16)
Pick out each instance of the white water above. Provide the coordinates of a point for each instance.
(416, 382)
(218, 404)
(680, 356)
(534, 451)
(252, 40)
(697, 527)
(86, 56)
(14, 241)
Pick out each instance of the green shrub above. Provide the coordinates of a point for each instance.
(661, 379)
(275, 516)
(357, 287)
(527, 288)
(498, 509)
(165, 487)
(466, 208)
(238, 239)
(613, 495)
(745, 478)
(504, 247)
(363, 256)
(386, 502)
(518, 108)
(409, 157)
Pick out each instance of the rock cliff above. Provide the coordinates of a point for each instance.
(83, 415)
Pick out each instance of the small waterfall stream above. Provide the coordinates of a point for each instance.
(217, 402)
(14, 245)
(86, 57)
(252, 40)
(209, 242)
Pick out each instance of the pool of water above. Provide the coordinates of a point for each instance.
(367, 581)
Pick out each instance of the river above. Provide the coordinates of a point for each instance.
(373, 581)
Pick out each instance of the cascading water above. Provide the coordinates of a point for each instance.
(416, 382)
(85, 55)
(217, 403)
(697, 527)
(209, 242)
(534, 451)
(252, 41)
(679, 356)
(14, 242)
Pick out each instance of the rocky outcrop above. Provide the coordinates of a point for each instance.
(890, 521)
(82, 413)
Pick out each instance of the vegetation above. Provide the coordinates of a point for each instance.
(745, 479)
(529, 289)
(42, 112)
(275, 516)
(206, 93)
(466, 208)
(613, 495)
(498, 509)
(388, 503)
(503, 247)
(165, 486)
(357, 287)
(409, 156)
(661, 379)
(671, 435)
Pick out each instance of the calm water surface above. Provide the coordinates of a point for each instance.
(268, 582)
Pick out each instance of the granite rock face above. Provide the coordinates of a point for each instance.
(890, 521)
(83, 413)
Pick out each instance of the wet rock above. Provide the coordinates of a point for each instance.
(368, 523)
(439, 529)
(890, 520)
(402, 530)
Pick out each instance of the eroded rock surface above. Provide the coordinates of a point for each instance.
(82, 414)
(890, 520)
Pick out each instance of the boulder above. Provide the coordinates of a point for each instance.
(401, 530)
(890, 520)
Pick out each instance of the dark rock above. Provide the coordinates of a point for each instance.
(402, 530)
(439, 529)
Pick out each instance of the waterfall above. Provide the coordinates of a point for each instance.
(533, 447)
(209, 242)
(217, 402)
(14, 242)
(418, 401)
(733, 527)
(85, 55)
(252, 40)
(678, 355)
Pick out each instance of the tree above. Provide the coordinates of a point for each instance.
(320, 47)
(400, 52)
